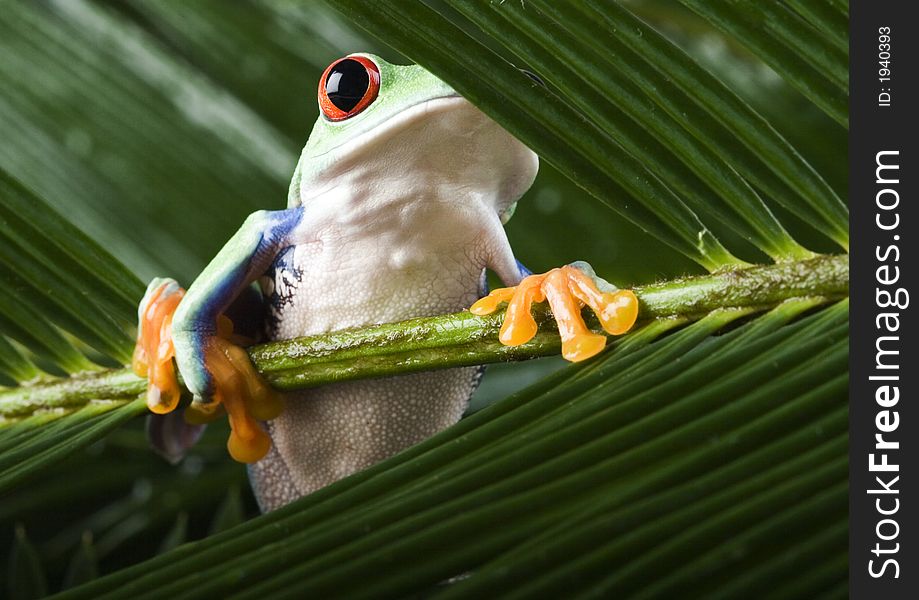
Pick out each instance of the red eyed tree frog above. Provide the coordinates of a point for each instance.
(395, 210)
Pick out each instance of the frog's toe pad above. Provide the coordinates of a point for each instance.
(154, 350)
(567, 289)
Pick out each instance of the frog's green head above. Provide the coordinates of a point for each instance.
(381, 121)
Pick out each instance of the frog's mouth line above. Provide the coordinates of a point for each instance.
(362, 139)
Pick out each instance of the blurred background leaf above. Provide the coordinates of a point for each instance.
(147, 131)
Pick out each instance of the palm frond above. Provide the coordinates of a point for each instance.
(542, 480)
(780, 37)
(92, 159)
(27, 449)
(59, 281)
(707, 456)
(633, 67)
(66, 306)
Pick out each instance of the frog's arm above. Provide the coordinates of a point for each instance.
(245, 257)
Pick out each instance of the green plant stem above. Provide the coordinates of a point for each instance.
(460, 339)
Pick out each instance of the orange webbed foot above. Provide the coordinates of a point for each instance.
(239, 391)
(247, 399)
(567, 289)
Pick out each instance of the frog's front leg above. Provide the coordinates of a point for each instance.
(217, 371)
(567, 289)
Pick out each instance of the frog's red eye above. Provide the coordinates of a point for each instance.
(347, 87)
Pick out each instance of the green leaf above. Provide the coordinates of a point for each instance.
(707, 457)
(53, 272)
(13, 363)
(694, 99)
(118, 96)
(27, 450)
(83, 566)
(216, 38)
(619, 81)
(830, 20)
(634, 427)
(782, 39)
(26, 579)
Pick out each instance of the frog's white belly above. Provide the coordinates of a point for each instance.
(345, 281)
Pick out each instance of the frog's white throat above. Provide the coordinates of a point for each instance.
(443, 149)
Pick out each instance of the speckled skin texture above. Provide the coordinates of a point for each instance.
(342, 428)
(400, 226)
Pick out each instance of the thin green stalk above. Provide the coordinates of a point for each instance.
(460, 339)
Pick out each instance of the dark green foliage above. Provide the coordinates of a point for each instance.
(702, 460)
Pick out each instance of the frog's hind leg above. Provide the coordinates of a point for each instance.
(567, 289)
(239, 389)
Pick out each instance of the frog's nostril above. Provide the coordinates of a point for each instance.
(347, 87)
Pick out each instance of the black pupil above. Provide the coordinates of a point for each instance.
(346, 84)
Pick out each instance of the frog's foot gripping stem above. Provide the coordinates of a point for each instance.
(238, 389)
(567, 289)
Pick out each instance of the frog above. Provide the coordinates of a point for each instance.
(396, 210)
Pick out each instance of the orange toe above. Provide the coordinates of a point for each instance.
(249, 449)
(519, 326)
(263, 402)
(583, 346)
(163, 392)
(578, 342)
(618, 312)
(489, 304)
